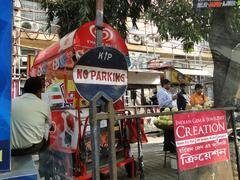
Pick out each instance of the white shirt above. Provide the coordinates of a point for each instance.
(164, 98)
(31, 119)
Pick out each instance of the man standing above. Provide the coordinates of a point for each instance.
(164, 96)
(165, 100)
(198, 97)
(31, 119)
(182, 99)
(154, 98)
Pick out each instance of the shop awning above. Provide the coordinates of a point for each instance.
(144, 77)
(196, 72)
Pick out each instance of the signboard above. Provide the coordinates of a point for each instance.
(101, 69)
(66, 130)
(214, 3)
(111, 38)
(201, 138)
(5, 82)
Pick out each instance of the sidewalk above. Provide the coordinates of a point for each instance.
(153, 159)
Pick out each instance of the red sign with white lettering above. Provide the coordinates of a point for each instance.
(201, 138)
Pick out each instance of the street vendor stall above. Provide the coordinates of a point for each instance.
(72, 72)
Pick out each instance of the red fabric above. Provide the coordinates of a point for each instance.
(133, 129)
(118, 105)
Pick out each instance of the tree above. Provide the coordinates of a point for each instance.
(220, 27)
(175, 19)
(73, 13)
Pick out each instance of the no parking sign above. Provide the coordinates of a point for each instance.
(101, 69)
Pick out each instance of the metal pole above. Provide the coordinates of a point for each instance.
(95, 117)
(111, 142)
(99, 22)
(235, 141)
(140, 153)
(95, 132)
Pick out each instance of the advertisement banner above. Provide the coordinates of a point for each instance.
(201, 138)
(76, 44)
(66, 132)
(214, 3)
(5, 82)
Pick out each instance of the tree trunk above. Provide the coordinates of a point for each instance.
(226, 82)
(232, 85)
(218, 171)
(226, 72)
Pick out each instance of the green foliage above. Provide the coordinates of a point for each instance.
(70, 13)
(73, 13)
(175, 19)
(179, 20)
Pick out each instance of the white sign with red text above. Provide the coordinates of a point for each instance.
(95, 75)
(101, 69)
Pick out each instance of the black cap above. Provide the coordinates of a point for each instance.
(165, 81)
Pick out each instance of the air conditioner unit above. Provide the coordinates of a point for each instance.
(134, 39)
(33, 26)
(152, 40)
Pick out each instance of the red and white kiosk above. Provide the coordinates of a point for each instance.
(70, 142)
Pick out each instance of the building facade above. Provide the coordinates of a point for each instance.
(146, 49)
